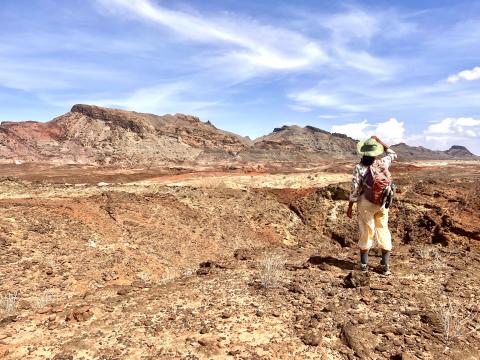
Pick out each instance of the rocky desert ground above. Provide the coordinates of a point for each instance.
(234, 264)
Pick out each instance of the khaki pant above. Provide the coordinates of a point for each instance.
(373, 223)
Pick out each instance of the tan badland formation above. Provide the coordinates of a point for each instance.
(195, 243)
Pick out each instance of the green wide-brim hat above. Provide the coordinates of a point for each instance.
(370, 147)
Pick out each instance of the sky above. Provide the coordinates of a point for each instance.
(406, 71)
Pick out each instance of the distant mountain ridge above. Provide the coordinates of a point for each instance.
(100, 136)
(419, 152)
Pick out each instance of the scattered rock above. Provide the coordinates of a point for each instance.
(24, 305)
(203, 271)
(404, 356)
(360, 340)
(58, 309)
(45, 310)
(8, 319)
(385, 329)
(243, 254)
(123, 291)
(312, 339)
(63, 357)
(295, 288)
(79, 314)
(227, 314)
(432, 319)
(357, 279)
(276, 313)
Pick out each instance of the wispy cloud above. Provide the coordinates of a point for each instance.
(300, 108)
(181, 96)
(35, 75)
(261, 46)
(318, 99)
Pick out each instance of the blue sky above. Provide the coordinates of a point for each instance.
(407, 71)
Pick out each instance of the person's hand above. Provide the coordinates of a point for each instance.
(375, 137)
(350, 210)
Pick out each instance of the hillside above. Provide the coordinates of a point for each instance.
(94, 135)
(303, 142)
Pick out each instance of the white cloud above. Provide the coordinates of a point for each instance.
(264, 47)
(442, 134)
(468, 75)
(439, 135)
(354, 130)
(391, 131)
(455, 126)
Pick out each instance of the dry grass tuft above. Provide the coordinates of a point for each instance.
(271, 268)
(42, 300)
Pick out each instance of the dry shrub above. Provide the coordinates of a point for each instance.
(271, 268)
(433, 256)
(168, 276)
(42, 300)
(8, 302)
(457, 320)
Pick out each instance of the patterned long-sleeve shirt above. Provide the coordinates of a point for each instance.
(360, 171)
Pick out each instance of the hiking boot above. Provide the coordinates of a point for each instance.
(364, 261)
(384, 270)
(384, 267)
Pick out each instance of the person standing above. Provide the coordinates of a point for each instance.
(372, 190)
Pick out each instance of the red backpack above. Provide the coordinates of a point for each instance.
(376, 181)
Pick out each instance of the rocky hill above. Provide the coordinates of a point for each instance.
(307, 139)
(408, 152)
(100, 136)
(94, 135)
(300, 144)
(295, 142)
